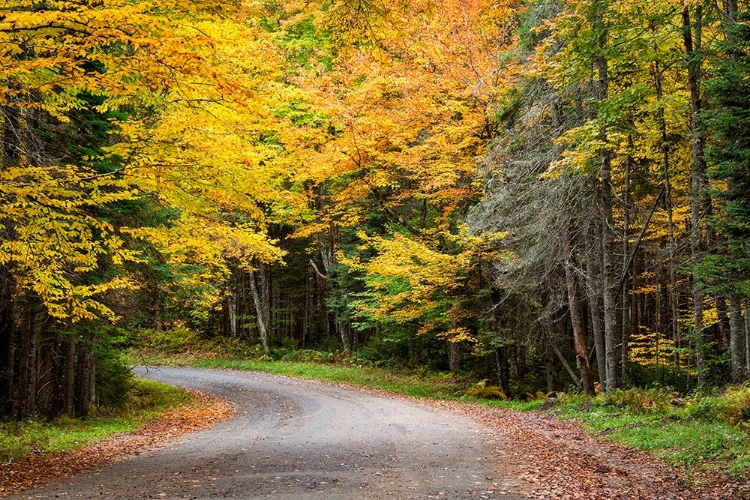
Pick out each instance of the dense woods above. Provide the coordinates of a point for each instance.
(543, 193)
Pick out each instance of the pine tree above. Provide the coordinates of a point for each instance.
(729, 171)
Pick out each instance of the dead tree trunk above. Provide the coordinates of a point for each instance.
(576, 318)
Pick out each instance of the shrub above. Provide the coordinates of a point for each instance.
(483, 390)
(642, 400)
(539, 396)
(113, 381)
(173, 341)
(113, 376)
(307, 356)
(736, 407)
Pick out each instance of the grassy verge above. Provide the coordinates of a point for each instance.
(416, 384)
(148, 402)
(704, 431)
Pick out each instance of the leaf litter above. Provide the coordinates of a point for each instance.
(559, 460)
(41, 468)
(552, 459)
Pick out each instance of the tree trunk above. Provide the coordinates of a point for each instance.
(566, 365)
(609, 300)
(85, 378)
(10, 151)
(27, 373)
(503, 370)
(723, 320)
(730, 8)
(548, 371)
(576, 318)
(260, 313)
(70, 376)
(747, 338)
(595, 310)
(454, 357)
(7, 326)
(266, 299)
(624, 298)
(326, 246)
(692, 41)
(47, 394)
(230, 305)
(608, 277)
(736, 336)
(672, 298)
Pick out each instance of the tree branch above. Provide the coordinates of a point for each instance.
(317, 271)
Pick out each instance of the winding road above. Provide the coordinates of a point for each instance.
(296, 439)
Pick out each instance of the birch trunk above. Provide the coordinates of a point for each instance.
(260, 313)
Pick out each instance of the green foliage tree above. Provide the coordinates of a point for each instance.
(729, 169)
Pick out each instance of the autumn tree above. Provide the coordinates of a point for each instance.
(406, 122)
(106, 107)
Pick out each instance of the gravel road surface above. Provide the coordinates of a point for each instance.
(294, 439)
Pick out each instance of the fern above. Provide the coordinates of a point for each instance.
(539, 396)
(482, 390)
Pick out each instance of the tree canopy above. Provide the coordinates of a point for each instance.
(499, 187)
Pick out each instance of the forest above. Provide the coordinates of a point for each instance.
(547, 194)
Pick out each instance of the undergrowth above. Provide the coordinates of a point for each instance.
(706, 429)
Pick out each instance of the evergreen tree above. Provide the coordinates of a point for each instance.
(728, 271)
(729, 154)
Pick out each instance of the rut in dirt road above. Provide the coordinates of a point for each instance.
(295, 439)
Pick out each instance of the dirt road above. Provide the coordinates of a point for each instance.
(294, 439)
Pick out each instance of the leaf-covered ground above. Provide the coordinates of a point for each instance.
(40, 468)
(559, 460)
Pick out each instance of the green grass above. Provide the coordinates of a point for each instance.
(698, 433)
(314, 365)
(149, 400)
(412, 384)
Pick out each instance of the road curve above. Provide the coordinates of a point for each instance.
(296, 439)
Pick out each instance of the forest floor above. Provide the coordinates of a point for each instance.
(540, 456)
(560, 460)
